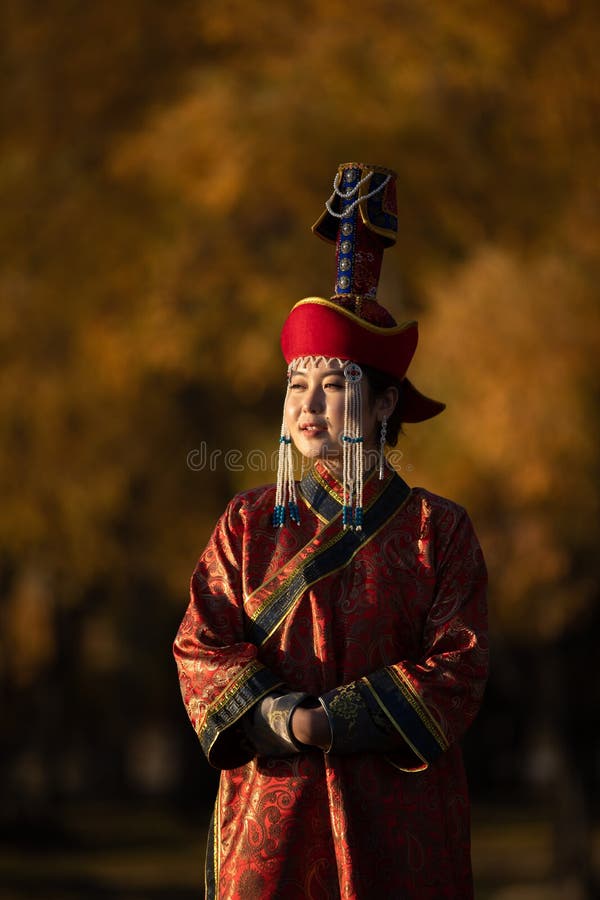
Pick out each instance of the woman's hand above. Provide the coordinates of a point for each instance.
(311, 726)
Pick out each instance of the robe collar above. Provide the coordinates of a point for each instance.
(330, 549)
(323, 493)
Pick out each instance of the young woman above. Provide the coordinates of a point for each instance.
(334, 649)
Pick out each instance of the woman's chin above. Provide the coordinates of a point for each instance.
(318, 449)
(314, 452)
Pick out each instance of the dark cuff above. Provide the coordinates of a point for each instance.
(357, 723)
(267, 726)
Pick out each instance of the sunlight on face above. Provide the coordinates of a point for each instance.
(314, 409)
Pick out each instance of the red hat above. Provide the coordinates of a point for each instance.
(361, 219)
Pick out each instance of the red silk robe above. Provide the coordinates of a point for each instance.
(387, 627)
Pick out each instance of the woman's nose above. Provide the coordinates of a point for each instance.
(314, 400)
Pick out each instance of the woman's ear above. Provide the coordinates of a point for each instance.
(387, 402)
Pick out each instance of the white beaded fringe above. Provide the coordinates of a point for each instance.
(352, 453)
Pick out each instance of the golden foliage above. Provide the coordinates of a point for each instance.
(161, 165)
(514, 339)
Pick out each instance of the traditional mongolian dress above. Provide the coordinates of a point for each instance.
(368, 601)
(387, 626)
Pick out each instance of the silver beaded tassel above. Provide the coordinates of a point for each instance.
(286, 486)
(352, 444)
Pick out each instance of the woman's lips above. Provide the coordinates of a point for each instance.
(312, 430)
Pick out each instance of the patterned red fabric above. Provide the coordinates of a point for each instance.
(368, 256)
(368, 310)
(409, 604)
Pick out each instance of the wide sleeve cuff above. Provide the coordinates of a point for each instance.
(222, 733)
(267, 726)
(356, 721)
(406, 712)
(379, 714)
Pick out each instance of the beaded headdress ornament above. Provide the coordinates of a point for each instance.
(360, 217)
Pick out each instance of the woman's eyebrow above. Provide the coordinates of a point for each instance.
(325, 372)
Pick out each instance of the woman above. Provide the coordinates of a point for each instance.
(334, 649)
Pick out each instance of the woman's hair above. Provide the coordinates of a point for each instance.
(378, 383)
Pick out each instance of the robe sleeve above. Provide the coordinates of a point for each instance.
(268, 726)
(415, 709)
(220, 675)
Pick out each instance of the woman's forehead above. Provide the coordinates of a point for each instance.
(322, 363)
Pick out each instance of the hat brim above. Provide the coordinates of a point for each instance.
(318, 327)
(415, 406)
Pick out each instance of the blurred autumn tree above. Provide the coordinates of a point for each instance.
(160, 165)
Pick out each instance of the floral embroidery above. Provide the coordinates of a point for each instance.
(347, 704)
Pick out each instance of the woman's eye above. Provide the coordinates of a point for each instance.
(296, 387)
(335, 385)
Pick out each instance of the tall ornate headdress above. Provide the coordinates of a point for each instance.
(361, 219)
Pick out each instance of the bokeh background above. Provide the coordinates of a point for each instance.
(160, 167)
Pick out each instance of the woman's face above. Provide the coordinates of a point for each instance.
(314, 411)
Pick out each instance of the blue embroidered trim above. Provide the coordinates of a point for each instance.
(403, 712)
(242, 699)
(321, 563)
(344, 282)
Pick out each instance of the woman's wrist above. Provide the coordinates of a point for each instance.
(311, 726)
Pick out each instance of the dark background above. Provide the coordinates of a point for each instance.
(160, 167)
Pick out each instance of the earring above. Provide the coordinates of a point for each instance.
(353, 442)
(382, 436)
